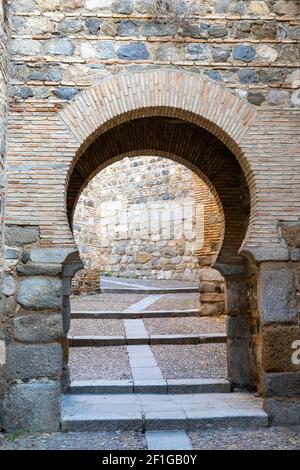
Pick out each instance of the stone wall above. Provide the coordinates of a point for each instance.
(3, 112)
(60, 47)
(138, 218)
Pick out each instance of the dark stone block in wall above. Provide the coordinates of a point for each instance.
(244, 52)
(28, 361)
(66, 93)
(128, 28)
(256, 98)
(133, 51)
(247, 76)
(93, 25)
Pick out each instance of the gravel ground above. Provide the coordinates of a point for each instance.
(272, 438)
(109, 327)
(176, 302)
(108, 362)
(191, 361)
(148, 282)
(95, 302)
(185, 325)
(74, 441)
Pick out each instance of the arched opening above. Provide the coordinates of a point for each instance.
(138, 225)
(158, 132)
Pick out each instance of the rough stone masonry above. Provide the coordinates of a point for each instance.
(88, 82)
(141, 217)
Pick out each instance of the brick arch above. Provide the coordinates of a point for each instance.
(186, 143)
(192, 98)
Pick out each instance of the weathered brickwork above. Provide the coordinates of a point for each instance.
(139, 218)
(88, 87)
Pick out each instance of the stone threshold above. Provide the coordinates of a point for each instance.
(151, 290)
(147, 412)
(202, 385)
(94, 341)
(108, 314)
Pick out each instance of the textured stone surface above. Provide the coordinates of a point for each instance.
(284, 384)
(66, 93)
(196, 51)
(133, 51)
(16, 235)
(34, 269)
(277, 295)
(32, 407)
(40, 292)
(30, 361)
(38, 328)
(244, 53)
(59, 47)
(283, 411)
(9, 286)
(277, 348)
(125, 7)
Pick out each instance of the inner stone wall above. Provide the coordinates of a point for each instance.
(140, 218)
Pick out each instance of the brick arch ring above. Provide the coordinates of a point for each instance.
(177, 94)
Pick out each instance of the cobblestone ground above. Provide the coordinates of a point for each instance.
(272, 438)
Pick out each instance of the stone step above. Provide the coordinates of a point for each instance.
(95, 341)
(204, 385)
(148, 412)
(150, 290)
(78, 314)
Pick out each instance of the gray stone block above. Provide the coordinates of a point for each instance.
(283, 411)
(159, 29)
(38, 328)
(217, 31)
(220, 53)
(238, 362)
(9, 286)
(93, 25)
(59, 47)
(282, 384)
(32, 406)
(50, 255)
(106, 50)
(124, 7)
(39, 269)
(238, 327)
(196, 51)
(244, 53)
(277, 295)
(133, 51)
(66, 93)
(26, 361)
(40, 292)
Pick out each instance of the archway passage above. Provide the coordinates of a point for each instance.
(183, 142)
(136, 224)
(201, 151)
(261, 299)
